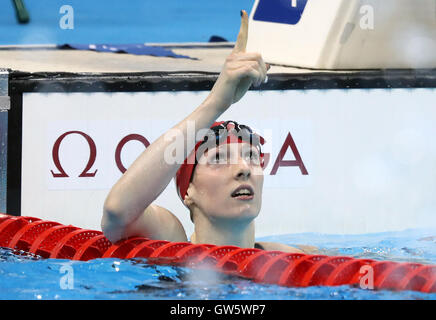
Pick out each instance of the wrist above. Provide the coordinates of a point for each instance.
(216, 103)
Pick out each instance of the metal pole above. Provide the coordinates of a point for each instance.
(5, 105)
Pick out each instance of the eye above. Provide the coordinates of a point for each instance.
(219, 157)
(252, 156)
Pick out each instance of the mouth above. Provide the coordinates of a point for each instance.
(243, 192)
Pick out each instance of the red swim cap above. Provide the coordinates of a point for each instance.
(186, 170)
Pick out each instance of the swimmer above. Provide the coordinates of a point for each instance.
(224, 197)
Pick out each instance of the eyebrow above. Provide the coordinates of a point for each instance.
(226, 147)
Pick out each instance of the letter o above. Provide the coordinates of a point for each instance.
(120, 147)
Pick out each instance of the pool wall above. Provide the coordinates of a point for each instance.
(349, 153)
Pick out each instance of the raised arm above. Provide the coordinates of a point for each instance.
(128, 208)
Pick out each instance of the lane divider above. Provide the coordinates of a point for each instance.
(50, 239)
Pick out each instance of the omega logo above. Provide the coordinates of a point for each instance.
(92, 156)
(87, 172)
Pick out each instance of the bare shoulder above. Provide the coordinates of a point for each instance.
(158, 223)
(271, 246)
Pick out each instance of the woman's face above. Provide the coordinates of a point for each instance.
(228, 181)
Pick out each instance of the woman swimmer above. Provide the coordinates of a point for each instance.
(224, 197)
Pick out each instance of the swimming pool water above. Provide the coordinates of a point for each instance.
(122, 22)
(29, 277)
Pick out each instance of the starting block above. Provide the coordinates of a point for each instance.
(345, 34)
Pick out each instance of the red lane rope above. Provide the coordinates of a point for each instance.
(26, 235)
(47, 240)
(66, 247)
(93, 248)
(50, 239)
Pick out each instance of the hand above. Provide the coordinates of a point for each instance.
(240, 70)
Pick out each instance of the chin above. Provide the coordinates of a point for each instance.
(236, 212)
(244, 212)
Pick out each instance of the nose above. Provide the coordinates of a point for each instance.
(242, 169)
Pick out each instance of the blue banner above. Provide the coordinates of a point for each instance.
(280, 11)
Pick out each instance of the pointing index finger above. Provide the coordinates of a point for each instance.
(241, 42)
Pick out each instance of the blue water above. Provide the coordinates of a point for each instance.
(27, 277)
(121, 22)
